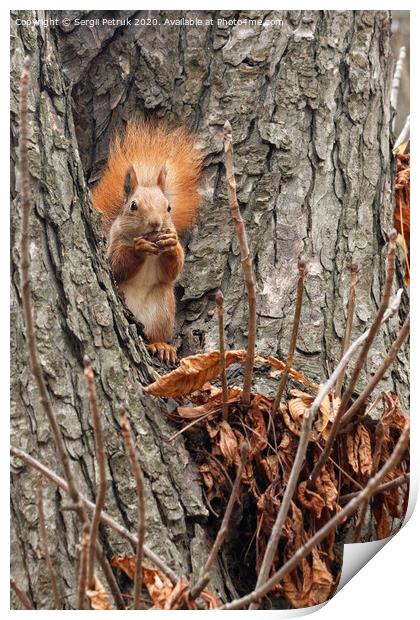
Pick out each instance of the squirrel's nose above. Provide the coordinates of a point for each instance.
(154, 224)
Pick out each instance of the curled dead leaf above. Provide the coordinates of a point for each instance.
(326, 486)
(359, 450)
(310, 500)
(213, 405)
(296, 407)
(192, 373)
(228, 443)
(309, 585)
(270, 465)
(258, 436)
(280, 366)
(380, 512)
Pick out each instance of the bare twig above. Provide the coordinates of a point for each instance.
(221, 534)
(349, 322)
(190, 425)
(105, 518)
(388, 360)
(293, 338)
(378, 320)
(333, 523)
(138, 477)
(110, 577)
(308, 419)
(245, 259)
(396, 80)
(26, 293)
(44, 540)
(29, 322)
(386, 295)
(83, 560)
(100, 458)
(26, 296)
(20, 594)
(220, 315)
(387, 486)
(404, 135)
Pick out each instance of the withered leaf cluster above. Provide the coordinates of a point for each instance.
(359, 452)
(163, 594)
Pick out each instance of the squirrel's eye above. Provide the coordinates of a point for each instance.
(169, 208)
(133, 206)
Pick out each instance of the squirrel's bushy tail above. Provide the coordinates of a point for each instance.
(148, 146)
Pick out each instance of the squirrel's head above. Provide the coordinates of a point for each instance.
(146, 209)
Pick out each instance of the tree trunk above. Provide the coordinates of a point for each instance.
(308, 99)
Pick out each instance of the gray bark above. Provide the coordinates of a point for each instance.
(309, 105)
(308, 101)
(77, 312)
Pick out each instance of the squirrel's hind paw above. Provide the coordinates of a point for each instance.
(164, 351)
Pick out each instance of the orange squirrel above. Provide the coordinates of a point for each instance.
(148, 194)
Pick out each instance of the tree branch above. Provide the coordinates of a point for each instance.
(349, 323)
(221, 534)
(83, 562)
(308, 419)
(26, 293)
(138, 477)
(100, 458)
(404, 135)
(105, 518)
(220, 315)
(387, 486)
(293, 338)
(245, 259)
(377, 322)
(396, 80)
(20, 594)
(388, 360)
(317, 538)
(44, 540)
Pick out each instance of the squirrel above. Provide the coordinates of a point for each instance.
(148, 194)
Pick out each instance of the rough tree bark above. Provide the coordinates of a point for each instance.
(308, 99)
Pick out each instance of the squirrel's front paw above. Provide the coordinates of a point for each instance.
(164, 351)
(167, 241)
(144, 246)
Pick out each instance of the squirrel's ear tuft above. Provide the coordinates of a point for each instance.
(161, 180)
(130, 182)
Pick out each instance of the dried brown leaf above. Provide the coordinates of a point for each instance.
(326, 486)
(310, 500)
(158, 586)
(296, 407)
(257, 438)
(279, 365)
(213, 404)
(228, 442)
(126, 563)
(309, 585)
(98, 596)
(180, 597)
(383, 529)
(359, 450)
(270, 465)
(192, 373)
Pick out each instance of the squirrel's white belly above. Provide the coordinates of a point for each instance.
(139, 291)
